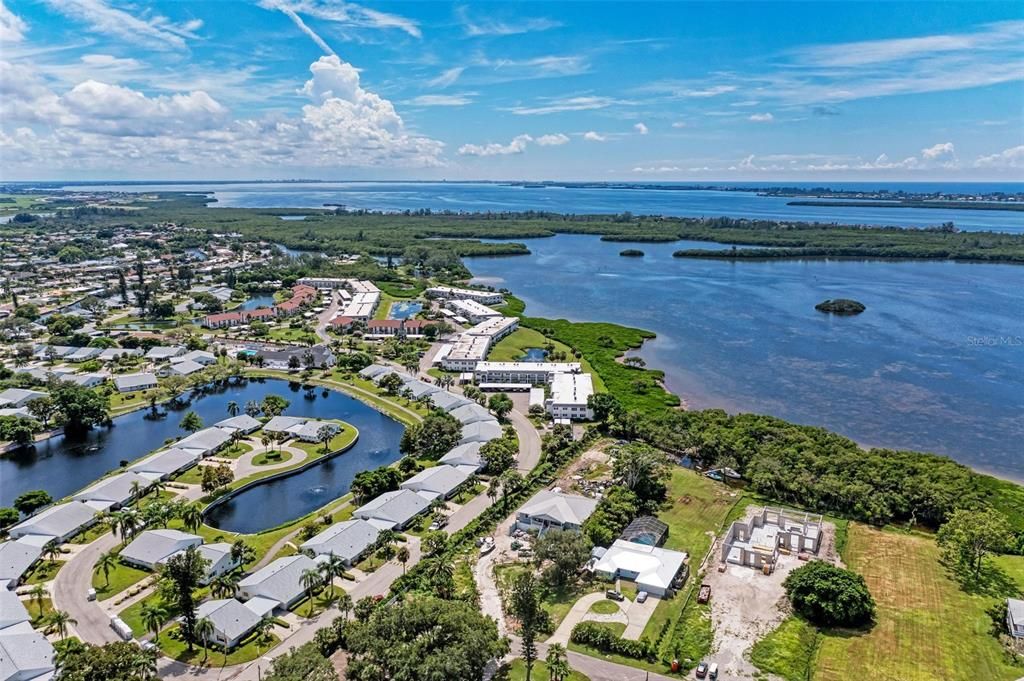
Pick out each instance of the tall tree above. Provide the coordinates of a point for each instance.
(153, 617)
(191, 422)
(968, 536)
(186, 571)
(526, 606)
(557, 662)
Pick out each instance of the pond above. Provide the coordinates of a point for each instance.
(63, 465)
(258, 301)
(533, 355)
(404, 310)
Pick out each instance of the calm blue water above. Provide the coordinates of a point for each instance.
(61, 466)
(404, 310)
(465, 196)
(257, 302)
(534, 355)
(936, 363)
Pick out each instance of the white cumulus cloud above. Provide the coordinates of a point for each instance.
(516, 146)
(762, 118)
(593, 136)
(12, 27)
(1007, 158)
(641, 128)
(553, 140)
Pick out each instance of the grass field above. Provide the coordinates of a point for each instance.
(1013, 566)
(269, 458)
(121, 577)
(928, 629)
(513, 346)
(38, 614)
(605, 607)
(517, 672)
(247, 651)
(43, 571)
(789, 651)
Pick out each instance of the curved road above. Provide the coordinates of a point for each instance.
(71, 588)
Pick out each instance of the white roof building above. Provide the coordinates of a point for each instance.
(436, 482)
(348, 540)
(162, 352)
(569, 396)
(281, 581)
(129, 382)
(183, 368)
(18, 397)
(547, 509)
(232, 621)
(243, 422)
(152, 547)
(205, 441)
(481, 431)
(219, 555)
(165, 464)
(654, 569)
(471, 413)
(57, 522)
(392, 510)
(12, 610)
(16, 557)
(25, 654)
(466, 457)
(113, 491)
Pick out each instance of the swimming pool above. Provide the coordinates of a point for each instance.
(404, 310)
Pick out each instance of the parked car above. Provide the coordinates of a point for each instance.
(702, 670)
(90, 595)
(713, 671)
(641, 597)
(486, 548)
(614, 594)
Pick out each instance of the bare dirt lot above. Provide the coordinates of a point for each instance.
(746, 605)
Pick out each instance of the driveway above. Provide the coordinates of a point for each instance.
(580, 611)
(529, 441)
(71, 587)
(325, 318)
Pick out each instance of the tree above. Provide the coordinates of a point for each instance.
(192, 517)
(422, 639)
(567, 551)
(332, 568)
(204, 630)
(153, 617)
(311, 581)
(830, 596)
(642, 469)
(294, 363)
(511, 482)
(364, 608)
(391, 384)
(498, 455)
(105, 563)
(433, 437)
(970, 535)
(324, 434)
(37, 593)
(501, 405)
(242, 553)
(274, 405)
(557, 662)
(80, 408)
(186, 571)
(435, 543)
(123, 661)
(191, 422)
(233, 409)
(604, 406)
(42, 409)
(345, 604)
(253, 408)
(304, 663)
(525, 604)
(60, 620)
(29, 502)
(224, 585)
(8, 517)
(403, 556)
(439, 572)
(19, 430)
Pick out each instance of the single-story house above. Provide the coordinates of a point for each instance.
(243, 423)
(471, 413)
(307, 430)
(548, 509)
(466, 457)
(1015, 617)
(374, 370)
(654, 569)
(393, 510)
(420, 388)
(447, 401)
(152, 547)
(183, 368)
(219, 555)
(278, 359)
(60, 522)
(280, 582)
(161, 353)
(12, 612)
(113, 354)
(205, 441)
(481, 431)
(83, 354)
(16, 557)
(20, 412)
(232, 621)
(437, 482)
(198, 356)
(18, 397)
(348, 540)
(165, 464)
(133, 382)
(55, 351)
(25, 654)
(282, 424)
(114, 491)
(85, 380)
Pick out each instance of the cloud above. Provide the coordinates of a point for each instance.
(12, 27)
(592, 136)
(1007, 158)
(650, 170)
(679, 124)
(824, 111)
(342, 13)
(685, 90)
(641, 128)
(553, 140)
(762, 118)
(495, 27)
(120, 111)
(441, 100)
(585, 103)
(941, 151)
(516, 146)
(502, 70)
(148, 30)
(447, 77)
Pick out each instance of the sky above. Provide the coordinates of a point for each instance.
(665, 91)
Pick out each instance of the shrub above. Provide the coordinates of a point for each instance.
(830, 596)
(602, 638)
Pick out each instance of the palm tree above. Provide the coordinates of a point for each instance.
(345, 604)
(153, 617)
(192, 517)
(325, 434)
(511, 481)
(225, 585)
(242, 553)
(558, 663)
(59, 620)
(204, 630)
(441, 574)
(233, 409)
(263, 629)
(136, 489)
(310, 580)
(105, 563)
(331, 568)
(403, 556)
(52, 553)
(38, 593)
(252, 408)
(493, 489)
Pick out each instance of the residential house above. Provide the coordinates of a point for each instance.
(58, 523)
(205, 441)
(114, 491)
(164, 353)
(757, 541)
(243, 423)
(134, 382)
(654, 570)
(279, 582)
(220, 561)
(165, 464)
(437, 482)
(16, 557)
(1015, 617)
(464, 457)
(348, 540)
(232, 621)
(548, 509)
(153, 547)
(14, 398)
(481, 431)
(393, 510)
(181, 368)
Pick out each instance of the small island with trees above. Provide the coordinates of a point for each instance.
(840, 306)
(631, 253)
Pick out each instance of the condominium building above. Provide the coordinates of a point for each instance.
(449, 292)
(569, 395)
(530, 373)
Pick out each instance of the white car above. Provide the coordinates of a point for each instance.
(641, 597)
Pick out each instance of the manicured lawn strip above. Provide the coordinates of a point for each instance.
(121, 577)
(343, 439)
(516, 671)
(43, 571)
(247, 651)
(605, 607)
(322, 600)
(399, 290)
(274, 457)
(384, 307)
(122, 402)
(789, 651)
(38, 614)
(235, 451)
(1013, 566)
(927, 627)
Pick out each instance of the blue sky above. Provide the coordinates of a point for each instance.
(95, 89)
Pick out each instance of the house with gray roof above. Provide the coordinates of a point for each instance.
(481, 431)
(465, 456)
(18, 397)
(437, 482)
(471, 413)
(83, 354)
(205, 441)
(161, 353)
(59, 522)
(25, 654)
(198, 356)
(221, 562)
(165, 464)
(242, 423)
(114, 491)
(232, 621)
(374, 370)
(132, 382)
(448, 401)
(348, 540)
(1015, 617)
(419, 389)
(16, 557)
(112, 354)
(90, 380)
(281, 424)
(280, 582)
(12, 610)
(152, 547)
(393, 510)
(184, 368)
(547, 509)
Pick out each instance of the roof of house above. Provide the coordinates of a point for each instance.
(116, 489)
(206, 439)
(396, 507)
(374, 370)
(559, 507)
(283, 423)
(230, 618)
(1016, 608)
(164, 352)
(471, 413)
(24, 653)
(185, 367)
(281, 580)
(153, 546)
(195, 356)
(481, 431)
(653, 566)
(15, 558)
(165, 462)
(468, 453)
(12, 610)
(134, 380)
(16, 395)
(347, 539)
(311, 428)
(448, 401)
(240, 422)
(57, 521)
(439, 479)
(215, 552)
(421, 388)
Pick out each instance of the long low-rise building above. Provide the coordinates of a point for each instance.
(653, 569)
(279, 582)
(532, 373)
(57, 523)
(348, 540)
(570, 394)
(448, 292)
(474, 343)
(470, 309)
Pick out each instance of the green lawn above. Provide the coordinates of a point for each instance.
(1013, 566)
(605, 607)
(513, 346)
(340, 441)
(284, 333)
(247, 651)
(696, 505)
(517, 672)
(789, 651)
(38, 614)
(127, 401)
(269, 458)
(43, 571)
(928, 628)
(132, 615)
(236, 450)
(309, 608)
(121, 577)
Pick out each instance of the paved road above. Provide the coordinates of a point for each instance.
(71, 587)
(325, 318)
(529, 441)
